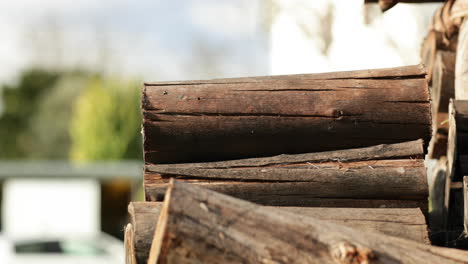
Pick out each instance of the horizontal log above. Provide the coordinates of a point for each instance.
(385, 172)
(197, 225)
(404, 223)
(197, 121)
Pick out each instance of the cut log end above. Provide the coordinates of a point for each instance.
(348, 253)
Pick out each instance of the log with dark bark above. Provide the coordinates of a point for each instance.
(197, 225)
(405, 223)
(442, 90)
(383, 172)
(197, 121)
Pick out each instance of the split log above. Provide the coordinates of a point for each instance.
(438, 210)
(129, 245)
(197, 225)
(461, 68)
(143, 217)
(465, 205)
(405, 223)
(197, 121)
(383, 172)
(442, 90)
(457, 138)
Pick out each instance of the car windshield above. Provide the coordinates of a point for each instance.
(77, 248)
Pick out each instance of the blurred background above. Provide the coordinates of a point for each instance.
(70, 80)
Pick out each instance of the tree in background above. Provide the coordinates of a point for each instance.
(49, 126)
(20, 103)
(105, 123)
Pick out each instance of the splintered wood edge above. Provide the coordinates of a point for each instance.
(160, 231)
(465, 205)
(129, 243)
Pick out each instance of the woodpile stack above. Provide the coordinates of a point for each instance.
(313, 168)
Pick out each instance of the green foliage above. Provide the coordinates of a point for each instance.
(50, 124)
(21, 101)
(106, 121)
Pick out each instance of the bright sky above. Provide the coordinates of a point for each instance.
(151, 39)
(196, 39)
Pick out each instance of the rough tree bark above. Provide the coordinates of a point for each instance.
(405, 223)
(196, 121)
(383, 172)
(197, 225)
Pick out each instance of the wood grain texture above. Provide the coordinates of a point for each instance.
(197, 121)
(442, 89)
(197, 225)
(383, 172)
(404, 223)
(129, 244)
(465, 204)
(437, 208)
(457, 138)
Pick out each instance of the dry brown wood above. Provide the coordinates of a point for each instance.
(196, 121)
(197, 225)
(143, 217)
(437, 210)
(407, 223)
(465, 204)
(387, 4)
(129, 245)
(383, 172)
(457, 147)
(442, 90)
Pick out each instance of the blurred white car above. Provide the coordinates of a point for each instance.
(103, 249)
(55, 221)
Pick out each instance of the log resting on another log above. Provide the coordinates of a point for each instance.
(199, 121)
(406, 223)
(383, 172)
(197, 225)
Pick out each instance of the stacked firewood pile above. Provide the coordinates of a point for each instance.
(313, 168)
(444, 52)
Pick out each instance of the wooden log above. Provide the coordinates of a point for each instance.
(383, 172)
(465, 205)
(443, 85)
(143, 217)
(407, 223)
(461, 68)
(437, 209)
(197, 225)
(129, 245)
(457, 138)
(196, 121)
(388, 4)
(442, 90)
